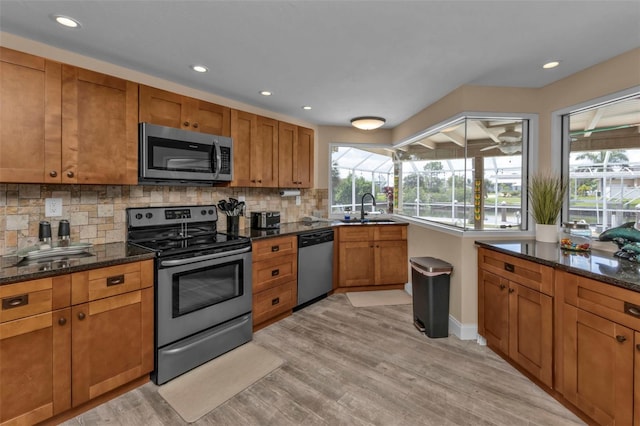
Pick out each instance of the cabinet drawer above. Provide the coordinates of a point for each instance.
(278, 246)
(390, 232)
(608, 301)
(274, 301)
(530, 274)
(356, 233)
(27, 298)
(269, 273)
(105, 282)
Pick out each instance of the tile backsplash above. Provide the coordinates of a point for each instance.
(97, 212)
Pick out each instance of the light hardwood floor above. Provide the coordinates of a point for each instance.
(361, 366)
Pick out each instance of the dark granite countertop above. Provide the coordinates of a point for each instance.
(597, 264)
(295, 228)
(98, 256)
(103, 255)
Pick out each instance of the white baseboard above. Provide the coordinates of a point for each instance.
(461, 331)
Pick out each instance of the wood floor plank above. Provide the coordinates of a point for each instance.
(361, 366)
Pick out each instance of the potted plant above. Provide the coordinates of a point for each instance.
(546, 196)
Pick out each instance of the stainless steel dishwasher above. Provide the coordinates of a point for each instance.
(315, 265)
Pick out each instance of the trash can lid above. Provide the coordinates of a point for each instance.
(431, 264)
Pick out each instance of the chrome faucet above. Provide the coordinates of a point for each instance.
(362, 205)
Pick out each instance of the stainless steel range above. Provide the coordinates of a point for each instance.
(203, 285)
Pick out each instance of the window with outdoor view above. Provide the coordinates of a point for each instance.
(468, 174)
(356, 171)
(603, 163)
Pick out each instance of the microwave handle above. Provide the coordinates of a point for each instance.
(218, 158)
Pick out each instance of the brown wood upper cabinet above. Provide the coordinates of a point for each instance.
(255, 145)
(295, 159)
(182, 112)
(30, 118)
(63, 124)
(99, 128)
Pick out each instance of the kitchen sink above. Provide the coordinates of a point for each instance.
(366, 221)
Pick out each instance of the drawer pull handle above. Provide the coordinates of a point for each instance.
(275, 248)
(62, 321)
(632, 309)
(275, 272)
(115, 280)
(502, 286)
(275, 301)
(81, 316)
(14, 302)
(620, 338)
(511, 290)
(509, 267)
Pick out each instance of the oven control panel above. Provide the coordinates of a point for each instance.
(177, 214)
(154, 216)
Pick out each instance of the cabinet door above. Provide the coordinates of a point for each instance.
(264, 159)
(30, 118)
(244, 131)
(493, 311)
(99, 128)
(304, 157)
(598, 366)
(35, 367)
(531, 331)
(356, 264)
(112, 343)
(391, 264)
(636, 381)
(162, 108)
(209, 118)
(287, 164)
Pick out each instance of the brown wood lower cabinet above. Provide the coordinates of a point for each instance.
(55, 356)
(275, 279)
(598, 354)
(372, 255)
(515, 311)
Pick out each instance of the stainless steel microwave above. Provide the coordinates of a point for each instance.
(169, 156)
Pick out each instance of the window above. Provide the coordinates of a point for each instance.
(356, 171)
(467, 174)
(603, 163)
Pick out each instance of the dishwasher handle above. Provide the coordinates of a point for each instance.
(314, 238)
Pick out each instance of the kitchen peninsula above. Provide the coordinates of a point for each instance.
(569, 320)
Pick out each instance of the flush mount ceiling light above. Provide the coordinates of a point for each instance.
(66, 21)
(550, 65)
(367, 123)
(306, 107)
(266, 93)
(199, 68)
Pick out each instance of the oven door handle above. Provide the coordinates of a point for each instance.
(178, 262)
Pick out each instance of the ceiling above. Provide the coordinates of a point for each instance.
(342, 58)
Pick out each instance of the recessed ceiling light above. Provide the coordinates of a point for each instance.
(550, 65)
(266, 93)
(66, 21)
(306, 107)
(199, 68)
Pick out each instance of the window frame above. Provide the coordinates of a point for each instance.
(529, 159)
(560, 134)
